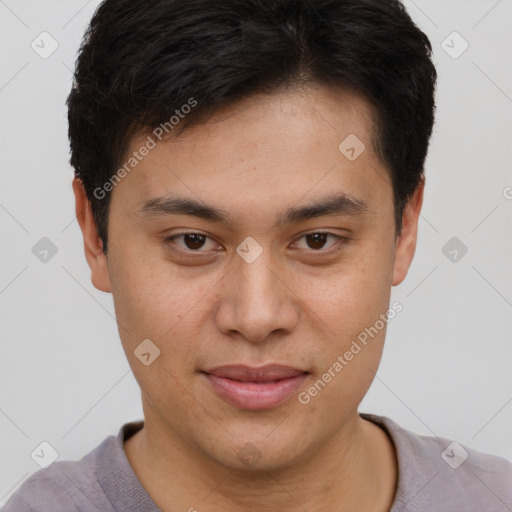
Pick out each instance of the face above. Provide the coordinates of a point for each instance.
(290, 257)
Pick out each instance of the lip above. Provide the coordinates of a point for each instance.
(264, 387)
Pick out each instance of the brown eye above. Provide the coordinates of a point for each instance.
(317, 241)
(194, 241)
(190, 242)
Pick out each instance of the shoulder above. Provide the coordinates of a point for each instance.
(64, 486)
(440, 474)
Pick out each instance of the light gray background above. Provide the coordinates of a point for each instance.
(447, 364)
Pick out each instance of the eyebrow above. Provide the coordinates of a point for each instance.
(338, 204)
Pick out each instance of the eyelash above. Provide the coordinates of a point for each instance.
(340, 239)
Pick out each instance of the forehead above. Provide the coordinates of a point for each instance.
(266, 149)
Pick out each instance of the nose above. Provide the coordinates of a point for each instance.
(258, 301)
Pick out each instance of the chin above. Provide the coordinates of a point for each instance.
(257, 453)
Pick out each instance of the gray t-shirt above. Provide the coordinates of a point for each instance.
(434, 475)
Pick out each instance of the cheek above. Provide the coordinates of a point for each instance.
(151, 306)
(351, 308)
(352, 295)
(155, 301)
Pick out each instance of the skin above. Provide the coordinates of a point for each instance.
(299, 304)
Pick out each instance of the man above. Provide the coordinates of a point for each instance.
(249, 177)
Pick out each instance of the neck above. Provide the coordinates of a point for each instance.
(355, 469)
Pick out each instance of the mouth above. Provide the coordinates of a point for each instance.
(259, 388)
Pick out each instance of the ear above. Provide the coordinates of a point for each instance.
(93, 245)
(406, 242)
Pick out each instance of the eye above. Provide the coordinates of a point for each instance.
(192, 242)
(317, 240)
(197, 242)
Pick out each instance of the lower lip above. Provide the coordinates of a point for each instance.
(256, 395)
